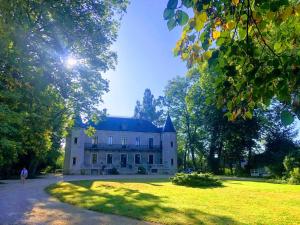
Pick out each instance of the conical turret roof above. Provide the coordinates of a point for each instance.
(168, 127)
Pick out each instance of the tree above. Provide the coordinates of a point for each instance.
(39, 90)
(187, 125)
(148, 109)
(245, 47)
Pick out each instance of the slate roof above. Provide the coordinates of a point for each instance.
(168, 127)
(126, 124)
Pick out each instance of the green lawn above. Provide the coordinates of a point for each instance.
(237, 202)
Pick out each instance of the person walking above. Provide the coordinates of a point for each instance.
(24, 174)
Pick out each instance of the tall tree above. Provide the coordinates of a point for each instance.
(52, 54)
(149, 108)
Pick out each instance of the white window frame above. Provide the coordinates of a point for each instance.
(74, 164)
(152, 142)
(140, 159)
(149, 159)
(107, 158)
(94, 153)
(121, 159)
(95, 140)
(125, 141)
(110, 140)
(138, 141)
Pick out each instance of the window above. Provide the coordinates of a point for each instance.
(151, 159)
(150, 143)
(75, 140)
(94, 158)
(172, 162)
(137, 141)
(137, 158)
(124, 141)
(74, 161)
(171, 144)
(95, 140)
(123, 160)
(110, 140)
(109, 158)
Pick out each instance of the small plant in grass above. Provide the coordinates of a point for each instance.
(196, 180)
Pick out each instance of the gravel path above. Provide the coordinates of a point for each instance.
(30, 204)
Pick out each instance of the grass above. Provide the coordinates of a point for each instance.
(237, 202)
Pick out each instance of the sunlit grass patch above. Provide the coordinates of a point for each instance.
(237, 202)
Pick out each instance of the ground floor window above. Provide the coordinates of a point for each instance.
(109, 158)
(172, 162)
(137, 159)
(151, 159)
(74, 161)
(123, 160)
(94, 158)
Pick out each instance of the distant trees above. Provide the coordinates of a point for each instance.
(149, 109)
(39, 92)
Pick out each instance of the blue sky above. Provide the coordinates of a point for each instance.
(145, 59)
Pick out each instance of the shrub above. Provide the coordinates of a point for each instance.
(196, 180)
(141, 170)
(294, 176)
(114, 171)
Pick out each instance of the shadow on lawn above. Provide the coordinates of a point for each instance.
(137, 204)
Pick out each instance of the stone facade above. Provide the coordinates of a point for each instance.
(123, 145)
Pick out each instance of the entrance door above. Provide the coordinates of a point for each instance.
(123, 160)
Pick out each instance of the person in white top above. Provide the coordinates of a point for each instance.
(24, 174)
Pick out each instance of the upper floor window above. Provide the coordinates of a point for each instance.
(95, 140)
(74, 161)
(94, 158)
(150, 142)
(137, 141)
(109, 158)
(110, 140)
(137, 158)
(75, 140)
(171, 144)
(124, 141)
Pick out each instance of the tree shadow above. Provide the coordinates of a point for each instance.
(137, 204)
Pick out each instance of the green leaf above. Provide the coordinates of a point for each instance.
(278, 47)
(187, 3)
(242, 33)
(182, 17)
(171, 24)
(286, 118)
(168, 13)
(172, 4)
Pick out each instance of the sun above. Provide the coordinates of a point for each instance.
(70, 62)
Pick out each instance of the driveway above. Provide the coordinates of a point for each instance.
(30, 204)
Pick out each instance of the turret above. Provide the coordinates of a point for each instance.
(169, 146)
